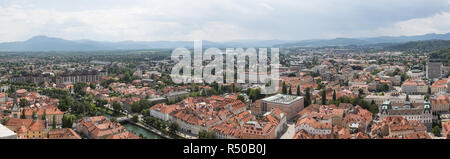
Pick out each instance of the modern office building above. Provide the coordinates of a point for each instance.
(434, 69)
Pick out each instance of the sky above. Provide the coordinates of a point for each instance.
(224, 20)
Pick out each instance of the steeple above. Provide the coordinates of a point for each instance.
(386, 106)
(427, 107)
(16, 107)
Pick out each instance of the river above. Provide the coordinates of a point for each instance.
(138, 130)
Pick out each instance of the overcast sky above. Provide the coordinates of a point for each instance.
(225, 20)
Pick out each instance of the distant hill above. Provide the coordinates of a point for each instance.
(429, 45)
(365, 41)
(439, 49)
(322, 43)
(44, 43)
(443, 55)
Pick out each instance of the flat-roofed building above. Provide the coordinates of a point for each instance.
(80, 76)
(289, 104)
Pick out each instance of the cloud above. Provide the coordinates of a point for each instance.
(438, 23)
(116, 20)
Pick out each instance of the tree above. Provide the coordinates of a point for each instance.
(334, 95)
(114, 119)
(241, 98)
(135, 107)
(361, 92)
(284, 88)
(426, 97)
(78, 88)
(307, 100)
(324, 97)
(67, 121)
(92, 85)
(117, 108)
(384, 88)
(44, 115)
(135, 118)
(173, 129)
(23, 102)
(290, 90)
(54, 122)
(203, 134)
(65, 103)
(298, 90)
(146, 112)
(23, 114)
(436, 131)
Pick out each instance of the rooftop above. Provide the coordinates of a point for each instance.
(282, 99)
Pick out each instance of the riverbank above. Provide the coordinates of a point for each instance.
(150, 129)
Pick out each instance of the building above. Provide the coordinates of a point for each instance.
(233, 127)
(123, 135)
(289, 104)
(396, 80)
(162, 111)
(66, 133)
(440, 103)
(174, 96)
(51, 112)
(254, 130)
(32, 78)
(80, 76)
(414, 86)
(439, 86)
(6, 133)
(446, 130)
(271, 126)
(421, 113)
(313, 126)
(448, 85)
(203, 113)
(434, 69)
(28, 128)
(416, 73)
(395, 98)
(98, 127)
(397, 127)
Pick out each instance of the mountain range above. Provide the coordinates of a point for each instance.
(384, 40)
(44, 43)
